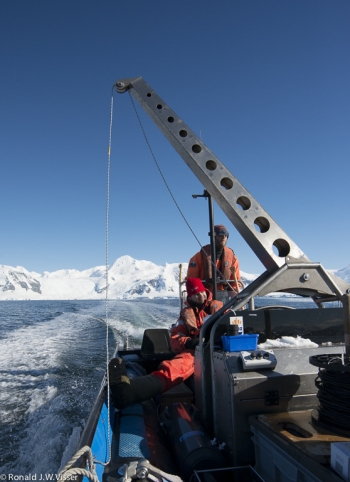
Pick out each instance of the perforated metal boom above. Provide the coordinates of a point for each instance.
(269, 242)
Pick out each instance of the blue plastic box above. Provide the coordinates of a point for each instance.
(240, 342)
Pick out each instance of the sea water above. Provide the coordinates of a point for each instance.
(52, 360)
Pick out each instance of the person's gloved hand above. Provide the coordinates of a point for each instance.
(191, 343)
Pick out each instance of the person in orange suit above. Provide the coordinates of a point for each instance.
(227, 264)
(183, 341)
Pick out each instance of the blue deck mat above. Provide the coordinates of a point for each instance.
(133, 437)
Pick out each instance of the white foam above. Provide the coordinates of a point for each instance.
(71, 448)
(39, 397)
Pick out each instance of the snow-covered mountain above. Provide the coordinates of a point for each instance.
(343, 273)
(128, 278)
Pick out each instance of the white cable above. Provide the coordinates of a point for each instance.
(107, 283)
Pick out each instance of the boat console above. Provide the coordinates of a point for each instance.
(249, 386)
(258, 360)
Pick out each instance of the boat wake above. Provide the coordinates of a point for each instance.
(52, 358)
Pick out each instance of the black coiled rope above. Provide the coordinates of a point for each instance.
(334, 397)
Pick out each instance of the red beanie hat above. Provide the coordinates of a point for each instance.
(193, 286)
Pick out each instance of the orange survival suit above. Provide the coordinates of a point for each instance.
(200, 267)
(175, 371)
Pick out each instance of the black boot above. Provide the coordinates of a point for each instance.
(126, 391)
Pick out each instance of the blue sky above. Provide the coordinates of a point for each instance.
(265, 83)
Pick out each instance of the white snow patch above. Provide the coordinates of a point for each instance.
(287, 342)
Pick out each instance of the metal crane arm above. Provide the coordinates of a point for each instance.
(270, 243)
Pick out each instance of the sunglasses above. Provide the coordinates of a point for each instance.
(221, 233)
